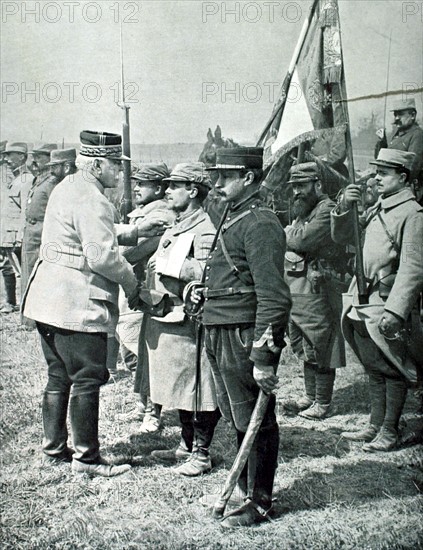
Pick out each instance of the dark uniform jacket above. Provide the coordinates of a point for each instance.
(410, 140)
(316, 270)
(311, 239)
(255, 242)
(35, 210)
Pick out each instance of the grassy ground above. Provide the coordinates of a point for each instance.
(329, 493)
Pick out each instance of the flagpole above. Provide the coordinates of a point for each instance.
(387, 82)
(287, 81)
(359, 262)
(126, 144)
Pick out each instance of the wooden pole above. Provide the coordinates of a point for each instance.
(126, 143)
(291, 69)
(359, 263)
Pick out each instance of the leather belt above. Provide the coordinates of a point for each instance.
(231, 291)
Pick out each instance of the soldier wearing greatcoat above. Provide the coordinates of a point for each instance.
(316, 270)
(73, 297)
(168, 343)
(385, 332)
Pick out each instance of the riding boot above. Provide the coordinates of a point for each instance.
(84, 412)
(84, 409)
(54, 408)
(10, 287)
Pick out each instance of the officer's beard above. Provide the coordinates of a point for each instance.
(304, 205)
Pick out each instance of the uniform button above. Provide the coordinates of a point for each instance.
(208, 267)
(253, 206)
(207, 278)
(229, 219)
(29, 201)
(206, 299)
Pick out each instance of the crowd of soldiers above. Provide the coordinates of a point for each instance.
(201, 288)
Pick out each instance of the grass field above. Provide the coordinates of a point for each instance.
(329, 494)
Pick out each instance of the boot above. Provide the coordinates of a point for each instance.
(197, 464)
(84, 412)
(10, 287)
(367, 434)
(152, 419)
(386, 440)
(55, 408)
(256, 509)
(203, 425)
(172, 455)
(325, 380)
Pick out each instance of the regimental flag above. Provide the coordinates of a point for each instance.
(309, 118)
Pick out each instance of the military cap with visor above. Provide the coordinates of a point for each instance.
(394, 158)
(238, 158)
(150, 172)
(404, 105)
(190, 172)
(304, 172)
(17, 147)
(44, 149)
(101, 145)
(62, 155)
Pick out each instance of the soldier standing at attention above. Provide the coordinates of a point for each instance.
(73, 297)
(168, 343)
(408, 136)
(316, 270)
(15, 182)
(385, 333)
(34, 209)
(246, 310)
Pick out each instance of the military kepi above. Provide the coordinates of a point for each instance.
(304, 172)
(101, 144)
(238, 158)
(394, 158)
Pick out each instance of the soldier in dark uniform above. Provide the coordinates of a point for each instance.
(408, 136)
(246, 310)
(316, 271)
(35, 209)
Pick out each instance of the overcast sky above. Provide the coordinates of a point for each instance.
(182, 60)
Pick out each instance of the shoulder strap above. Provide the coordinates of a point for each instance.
(229, 224)
(241, 276)
(389, 235)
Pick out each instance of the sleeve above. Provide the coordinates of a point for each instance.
(127, 234)
(265, 247)
(409, 280)
(316, 233)
(342, 226)
(99, 241)
(193, 266)
(416, 146)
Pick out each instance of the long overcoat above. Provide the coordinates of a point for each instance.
(403, 218)
(75, 284)
(316, 286)
(169, 344)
